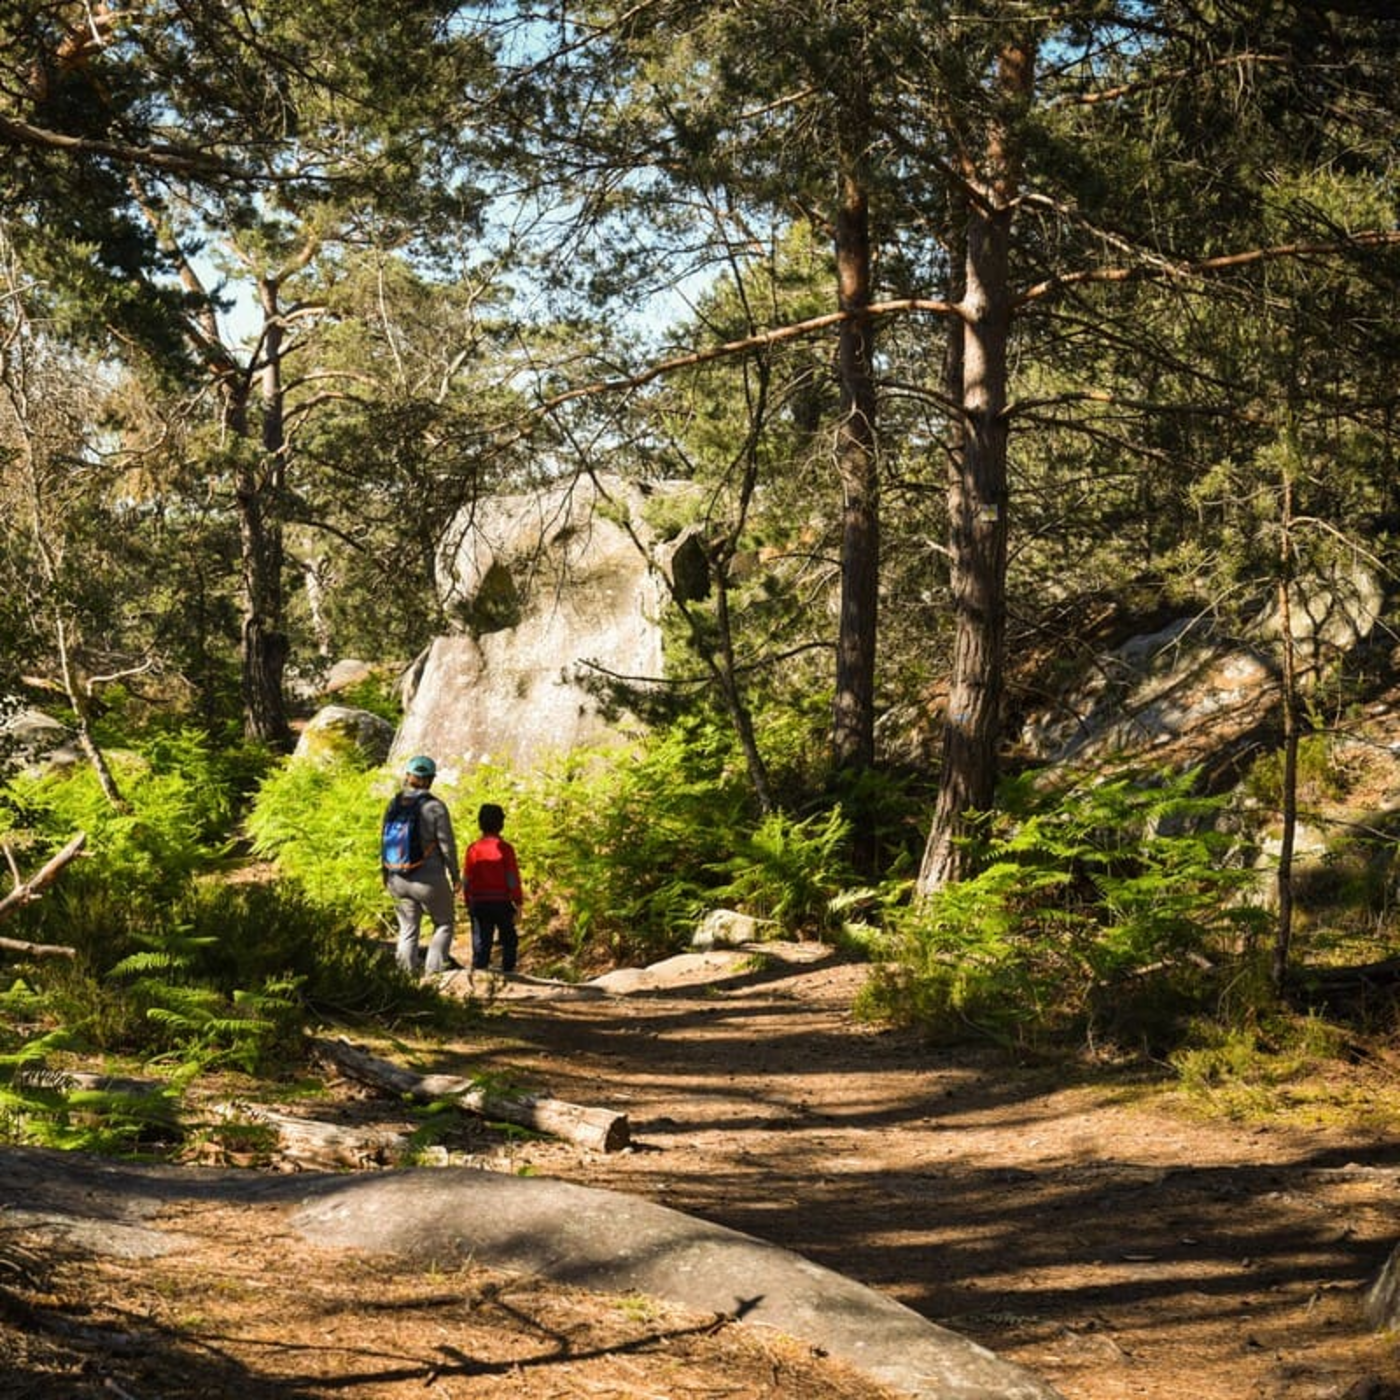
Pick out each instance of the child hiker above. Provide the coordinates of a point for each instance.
(491, 889)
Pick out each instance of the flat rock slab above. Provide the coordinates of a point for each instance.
(614, 1243)
(684, 972)
(575, 1235)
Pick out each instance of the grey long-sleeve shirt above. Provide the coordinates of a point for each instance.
(435, 824)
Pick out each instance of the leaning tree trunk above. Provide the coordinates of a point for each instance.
(977, 502)
(853, 717)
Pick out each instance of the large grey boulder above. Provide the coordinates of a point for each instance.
(537, 1226)
(615, 1243)
(558, 592)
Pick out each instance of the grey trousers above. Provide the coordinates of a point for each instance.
(412, 900)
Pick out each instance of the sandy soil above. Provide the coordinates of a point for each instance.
(1099, 1235)
(1104, 1237)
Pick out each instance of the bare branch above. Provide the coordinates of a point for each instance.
(778, 336)
(26, 891)
(1178, 75)
(1368, 238)
(181, 160)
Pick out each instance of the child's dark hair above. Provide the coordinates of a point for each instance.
(491, 818)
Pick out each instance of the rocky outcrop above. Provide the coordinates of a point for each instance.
(1190, 687)
(1153, 691)
(559, 594)
(34, 742)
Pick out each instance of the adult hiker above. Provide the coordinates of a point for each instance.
(492, 891)
(418, 857)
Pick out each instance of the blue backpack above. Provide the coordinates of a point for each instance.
(400, 840)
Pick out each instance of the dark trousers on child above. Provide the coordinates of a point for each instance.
(489, 918)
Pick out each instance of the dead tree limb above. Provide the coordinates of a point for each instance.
(310, 1143)
(27, 890)
(38, 950)
(598, 1128)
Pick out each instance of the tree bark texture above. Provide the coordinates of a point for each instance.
(853, 719)
(316, 1145)
(978, 498)
(1283, 927)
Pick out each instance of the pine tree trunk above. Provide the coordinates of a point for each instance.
(977, 503)
(853, 719)
(1283, 929)
(260, 491)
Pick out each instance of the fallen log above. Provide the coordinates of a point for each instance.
(303, 1142)
(1383, 1297)
(37, 950)
(1346, 990)
(600, 1129)
(308, 1142)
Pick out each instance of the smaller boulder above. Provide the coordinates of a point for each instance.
(35, 742)
(337, 731)
(346, 673)
(724, 928)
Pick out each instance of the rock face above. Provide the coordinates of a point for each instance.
(34, 742)
(554, 595)
(1188, 686)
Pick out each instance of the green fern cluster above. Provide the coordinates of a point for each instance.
(621, 850)
(320, 823)
(174, 965)
(178, 805)
(790, 871)
(1091, 902)
(193, 1021)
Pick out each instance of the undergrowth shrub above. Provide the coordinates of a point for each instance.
(630, 841)
(174, 965)
(1096, 908)
(258, 932)
(1274, 1064)
(193, 1022)
(175, 823)
(320, 823)
(228, 973)
(38, 1107)
(379, 693)
(621, 850)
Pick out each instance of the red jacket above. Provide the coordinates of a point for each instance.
(489, 872)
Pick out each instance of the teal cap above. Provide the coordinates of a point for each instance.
(422, 766)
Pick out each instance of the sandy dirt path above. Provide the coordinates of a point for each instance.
(1104, 1238)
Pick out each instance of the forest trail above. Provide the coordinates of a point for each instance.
(1093, 1232)
(1103, 1237)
